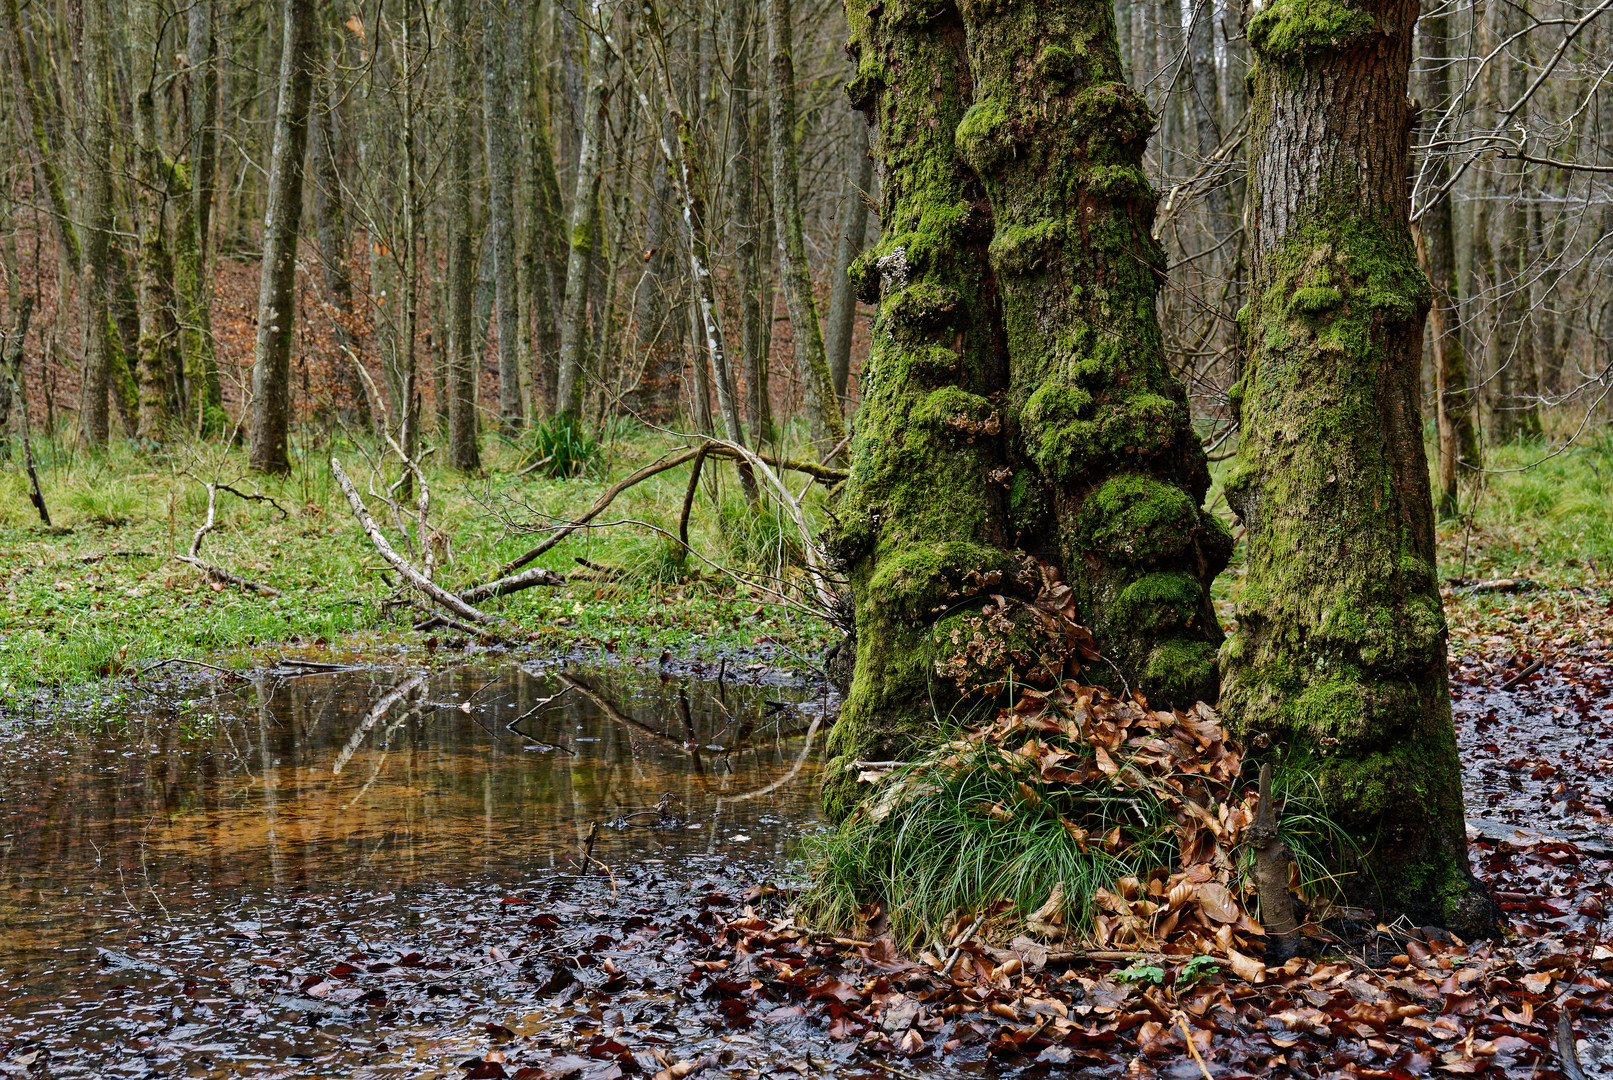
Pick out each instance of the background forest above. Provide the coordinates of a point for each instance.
(498, 185)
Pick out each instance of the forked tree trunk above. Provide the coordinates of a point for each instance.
(1110, 474)
(195, 226)
(271, 358)
(1338, 664)
(921, 526)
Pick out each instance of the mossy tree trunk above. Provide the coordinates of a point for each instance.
(921, 526)
(1338, 665)
(1017, 420)
(1109, 475)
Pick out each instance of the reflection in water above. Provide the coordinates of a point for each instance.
(329, 810)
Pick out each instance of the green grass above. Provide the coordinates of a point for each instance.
(938, 852)
(102, 593)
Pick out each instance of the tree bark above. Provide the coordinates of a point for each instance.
(584, 201)
(155, 345)
(828, 425)
(194, 224)
(1110, 474)
(1455, 400)
(271, 357)
(500, 200)
(330, 229)
(921, 527)
(1338, 664)
(95, 292)
(463, 354)
(657, 315)
(31, 102)
(850, 234)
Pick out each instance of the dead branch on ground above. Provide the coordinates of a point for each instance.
(217, 574)
(422, 583)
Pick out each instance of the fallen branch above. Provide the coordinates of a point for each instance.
(513, 583)
(218, 574)
(434, 592)
(714, 447)
(637, 477)
(1533, 667)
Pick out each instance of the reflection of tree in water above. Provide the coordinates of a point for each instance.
(355, 780)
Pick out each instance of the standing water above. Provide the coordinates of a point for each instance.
(363, 874)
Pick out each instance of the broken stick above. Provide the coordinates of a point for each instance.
(432, 591)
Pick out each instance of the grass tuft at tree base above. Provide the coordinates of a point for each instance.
(1076, 816)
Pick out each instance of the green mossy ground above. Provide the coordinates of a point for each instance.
(101, 595)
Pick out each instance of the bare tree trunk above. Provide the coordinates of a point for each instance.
(657, 316)
(851, 233)
(584, 204)
(747, 227)
(96, 165)
(330, 227)
(828, 425)
(501, 193)
(462, 354)
(1458, 441)
(31, 103)
(193, 240)
(271, 358)
(154, 348)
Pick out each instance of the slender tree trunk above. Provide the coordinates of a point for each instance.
(94, 293)
(330, 228)
(657, 316)
(745, 222)
(501, 197)
(828, 425)
(544, 246)
(584, 201)
(462, 355)
(1454, 403)
(1338, 664)
(1111, 474)
(193, 230)
(851, 233)
(30, 101)
(154, 349)
(271, 357)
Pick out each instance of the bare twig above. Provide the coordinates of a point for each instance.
(425, 585)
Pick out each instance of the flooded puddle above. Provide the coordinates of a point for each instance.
(369, 874)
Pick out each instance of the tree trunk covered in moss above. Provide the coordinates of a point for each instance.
(921, 520)
(1338, 665)
(1109, 475)
(1017, 420)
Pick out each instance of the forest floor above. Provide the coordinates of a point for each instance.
(101, 593)
(730, 981)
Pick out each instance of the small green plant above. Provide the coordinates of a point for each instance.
(560, 448)
(1143, 973)
(1196, 971)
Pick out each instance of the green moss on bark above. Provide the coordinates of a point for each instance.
(1103, 430)
(920, 524)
